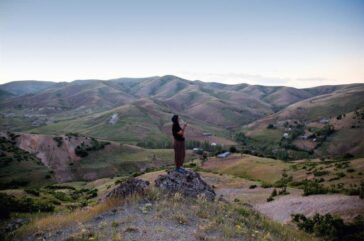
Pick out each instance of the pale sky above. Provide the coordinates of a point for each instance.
(268, 42)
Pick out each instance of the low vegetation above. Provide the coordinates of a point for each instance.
(330, 227)
(14, 162)
(83, 149)
(224, 221)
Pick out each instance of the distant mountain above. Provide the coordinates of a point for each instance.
(5, 94)
(137, 109)
(26, 87)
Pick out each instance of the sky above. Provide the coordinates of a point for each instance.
(268, 42)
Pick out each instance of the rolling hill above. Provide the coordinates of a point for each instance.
(132, 110)
(328, 124)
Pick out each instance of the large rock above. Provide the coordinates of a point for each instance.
(130, 186)
(189, 184)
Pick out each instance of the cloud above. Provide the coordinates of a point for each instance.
(255, 79)
(235, 78)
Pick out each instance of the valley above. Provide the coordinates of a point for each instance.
(64, 146)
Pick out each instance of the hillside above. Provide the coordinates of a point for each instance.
(131, 110)
(71, 157)
(329, 124)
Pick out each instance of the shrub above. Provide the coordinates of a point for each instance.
(317, 173)
(79, 151)
(10, 204)
(330, 228)
(14, 184)
(61, 196)
(313, 187)
(92, 193)
(34, 192)
(252, 186)
(270, 126)
(54, 187)
(58, 140)
(283, 191)
(232, 149)
(274, 193)
(266, 185)
(283, 182)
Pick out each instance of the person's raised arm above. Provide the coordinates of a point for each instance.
(182, 131)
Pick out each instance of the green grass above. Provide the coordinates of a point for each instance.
(267, 136)
(20, 166)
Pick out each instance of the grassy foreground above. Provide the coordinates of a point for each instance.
(164, 217)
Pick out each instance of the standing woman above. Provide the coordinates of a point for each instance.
(179, 143)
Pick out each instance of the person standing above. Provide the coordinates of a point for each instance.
(179, 143)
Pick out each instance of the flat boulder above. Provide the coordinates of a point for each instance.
(129, 187)
(189, 184)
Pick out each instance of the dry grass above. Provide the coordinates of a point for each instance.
(57, 221)
(211, 220)
(247, 166)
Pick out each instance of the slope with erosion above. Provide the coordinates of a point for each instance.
(74, 157)
(20, 168)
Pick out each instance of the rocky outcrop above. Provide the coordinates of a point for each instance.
(130, 186)
(189, 184)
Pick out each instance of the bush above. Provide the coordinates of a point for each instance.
(14, 184)
(252, 186)
(232, 149)
(62, 196)
(266, 185)
(313, 187)
(270, 126)
(317, 173)
(34, 192)
(329, 227)
(92, 193)
(58, 140)
(9, 204)
(274, 193)
(6, 202)
(79, 151)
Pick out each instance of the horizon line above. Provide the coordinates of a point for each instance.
(190, 80)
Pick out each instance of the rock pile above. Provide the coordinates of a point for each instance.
(189, 184)
(130, 186)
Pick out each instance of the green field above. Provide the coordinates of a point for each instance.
(247, 166)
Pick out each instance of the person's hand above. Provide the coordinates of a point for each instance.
(184, 126)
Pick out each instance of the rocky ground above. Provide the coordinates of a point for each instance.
(177, 207)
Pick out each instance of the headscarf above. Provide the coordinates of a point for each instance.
(175, 120)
